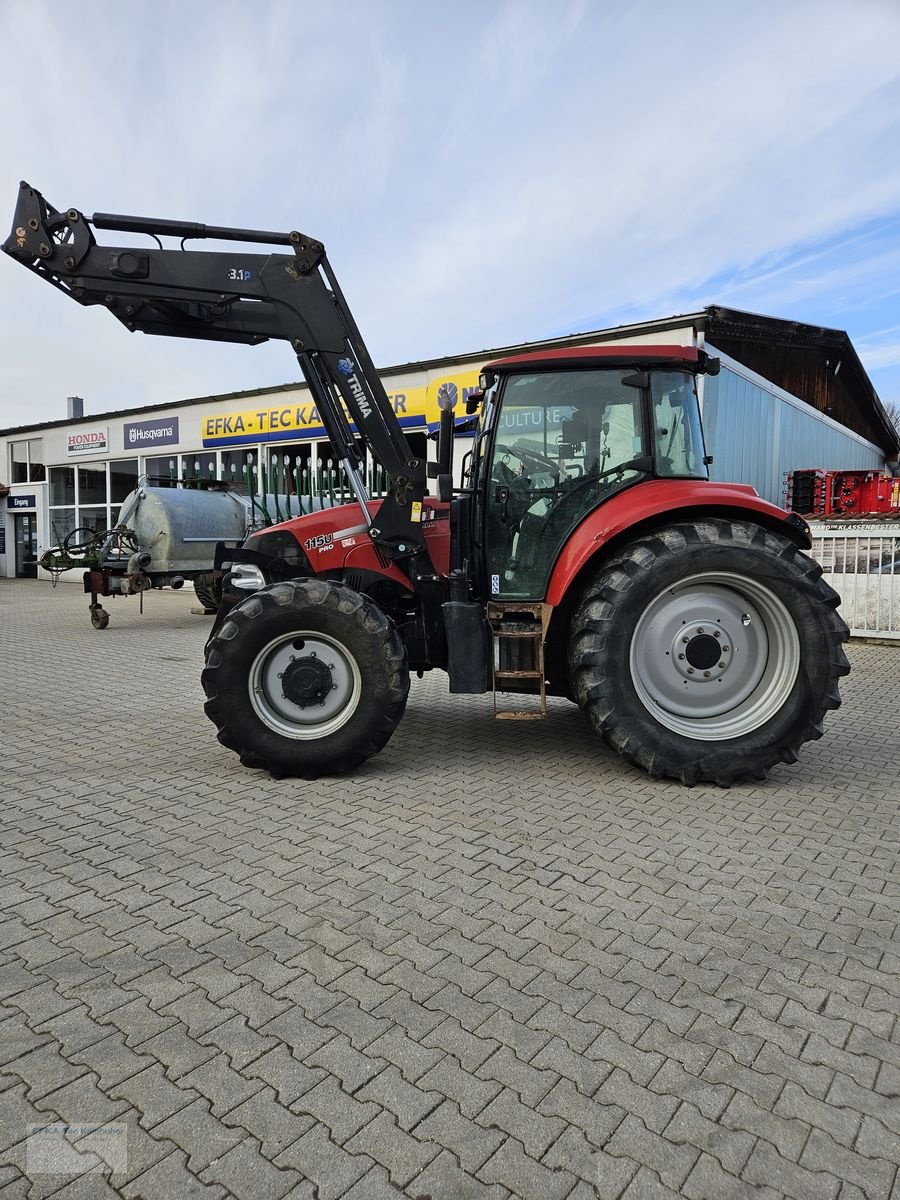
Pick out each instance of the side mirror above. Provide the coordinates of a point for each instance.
(474, 399)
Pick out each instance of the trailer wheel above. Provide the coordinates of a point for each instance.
(99, 617)
(708, 652)
(208, 590)
(305, 678)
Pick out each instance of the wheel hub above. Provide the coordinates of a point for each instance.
(306, 681)
(714, 656)
(701, 651)
(305, 685)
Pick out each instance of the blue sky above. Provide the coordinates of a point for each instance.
(482, 173)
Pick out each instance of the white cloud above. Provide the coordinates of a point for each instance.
(481, 174)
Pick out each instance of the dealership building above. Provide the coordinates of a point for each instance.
(789, 396)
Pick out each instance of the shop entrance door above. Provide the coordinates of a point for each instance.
(26, 545)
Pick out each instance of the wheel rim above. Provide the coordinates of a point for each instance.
(715, 656)
(305, 685)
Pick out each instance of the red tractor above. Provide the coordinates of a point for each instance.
(585, 555)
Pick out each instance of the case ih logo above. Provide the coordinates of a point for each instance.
(88, 441)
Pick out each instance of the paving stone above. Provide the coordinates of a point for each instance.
(352, 1067)
(472, 1144)
(671, 1162)
(224, 1087)
(244, 1171)
(450, 1079)
(412, 1058)
(408, 1103)
(524, 1041)
(763, 1086)
(471, 1050)
(273, 1125)
(788, 1136)
(82, 1102)
(16, 1038)
(238, 1041)
(647, 1185)
(531, 1180)
(533, 1128)
(444, 1178)
(176, 1051)
(374, 1185)
(812, 1079)
(171, 1177)
(403, 1155)
(587, 1074)
(200, 1135)
(339, 1112)
(766, 1164)
(873, 1175)
(43, 1070)
(707, 1181)
(730, 1147)
(317, 1158)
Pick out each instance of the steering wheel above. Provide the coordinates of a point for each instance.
(544, 472)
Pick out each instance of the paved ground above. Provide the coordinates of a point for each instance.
(496, 962)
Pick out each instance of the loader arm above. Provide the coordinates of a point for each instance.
(240, 296)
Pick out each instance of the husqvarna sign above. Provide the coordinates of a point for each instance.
(162, 431)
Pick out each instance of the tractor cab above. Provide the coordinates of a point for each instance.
(560, 433)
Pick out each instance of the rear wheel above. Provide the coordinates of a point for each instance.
(305, 678)
(708, 651)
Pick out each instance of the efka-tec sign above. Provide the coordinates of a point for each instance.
(161, 432)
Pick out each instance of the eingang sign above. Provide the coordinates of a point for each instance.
(415, 407)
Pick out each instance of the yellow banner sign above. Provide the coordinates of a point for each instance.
(415, 407)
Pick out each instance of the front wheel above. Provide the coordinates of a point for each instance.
(305, 678)
(708, 651)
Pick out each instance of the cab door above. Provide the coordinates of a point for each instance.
(562, 443)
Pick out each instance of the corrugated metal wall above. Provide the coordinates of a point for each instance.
(756, 433)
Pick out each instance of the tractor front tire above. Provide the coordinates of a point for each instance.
(708, 652)
(305, 678)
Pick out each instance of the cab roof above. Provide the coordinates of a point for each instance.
(688, 356)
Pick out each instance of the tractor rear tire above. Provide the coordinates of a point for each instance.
(708, 652)
(305, 678)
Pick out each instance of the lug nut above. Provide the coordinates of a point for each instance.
(685, 640)
(681, 656)
(726, 648)
(700, 630)
(690, 670)
(721, 664)
(717, 634)
(706, 674)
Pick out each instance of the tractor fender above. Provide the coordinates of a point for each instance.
(659, 501)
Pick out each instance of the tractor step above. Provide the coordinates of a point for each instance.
(519, 631)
